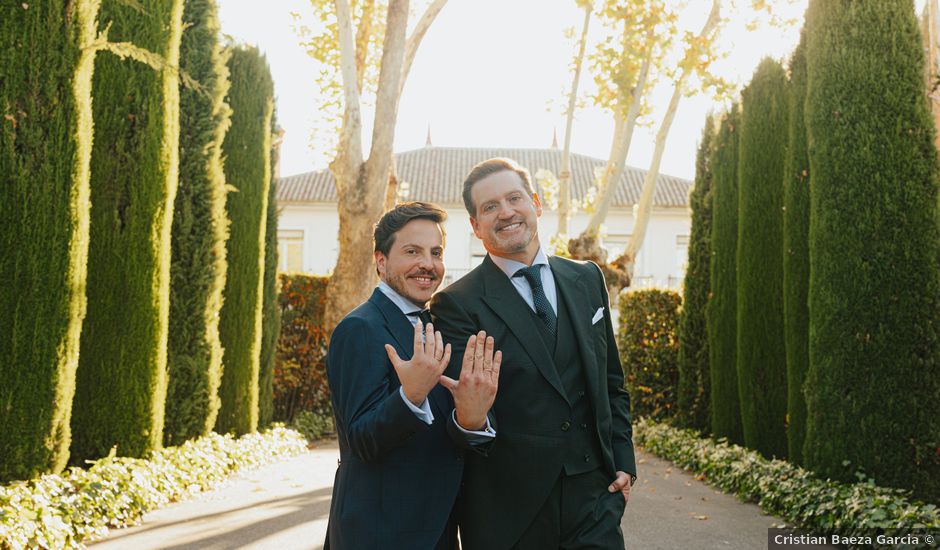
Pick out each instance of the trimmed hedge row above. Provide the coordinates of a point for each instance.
(785, 490)
(63, 511)
(694, 387)
(247, 147)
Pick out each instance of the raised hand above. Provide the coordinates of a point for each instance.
(421, 373)
(475, 390)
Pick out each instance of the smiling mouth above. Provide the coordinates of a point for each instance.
(510, 227)
(423, 280)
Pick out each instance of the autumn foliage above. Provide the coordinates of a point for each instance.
(300, 369)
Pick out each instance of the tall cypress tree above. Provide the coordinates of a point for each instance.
(247, 148)
(200, 227)
(761, 356)
(270, 309)
(796, 255)
(721, 313)
(45, 141)
(873, 385)
(121, 382)
(694, 392)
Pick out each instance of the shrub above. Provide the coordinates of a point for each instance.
(121, 381)
(761, 354)
(300, 382)
(62, 511)
(694, 391)
(788, 491)
(44, 213)
(649, 350)
(796, 186)
(722, 309)
(247, 149)
(873, 385)
(200, 227)
(314, 425)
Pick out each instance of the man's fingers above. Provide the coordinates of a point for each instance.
(419, 339)
(438, 345)
(445, 360)
(429, 340)
(497, 361)
(479, 350)
(449, 383)
(488, 354)
(621, 480)
(392, 355)
(467, 365)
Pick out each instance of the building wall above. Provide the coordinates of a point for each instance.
(313, 228)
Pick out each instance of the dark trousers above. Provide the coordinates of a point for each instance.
(579, 514)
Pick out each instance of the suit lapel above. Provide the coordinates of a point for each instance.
(574, 290)
(501, 296)
(403, 332)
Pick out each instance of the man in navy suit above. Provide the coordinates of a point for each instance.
(400, 471)
(559, 472)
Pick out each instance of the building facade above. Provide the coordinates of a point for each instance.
(308, 223)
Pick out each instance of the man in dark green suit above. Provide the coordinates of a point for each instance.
(559, 473)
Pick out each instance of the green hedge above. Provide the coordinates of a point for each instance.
(788, 491)
(300, 383)
(62, 511)
(200, 228)
(649, 350)
(873, 386)
(796, 185)
(44, 213)
(121, 382)
(270, 312)
(721, 312)
(694, 391)
(247, 149)
(761, 354)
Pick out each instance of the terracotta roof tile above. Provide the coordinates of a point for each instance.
(435, 174)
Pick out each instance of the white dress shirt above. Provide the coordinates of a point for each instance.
(510, 267)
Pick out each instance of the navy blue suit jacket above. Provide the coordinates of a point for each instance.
(398, 477)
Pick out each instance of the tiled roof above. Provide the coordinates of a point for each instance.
(436, 174)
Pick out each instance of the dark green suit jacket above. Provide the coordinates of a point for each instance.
(504, 488)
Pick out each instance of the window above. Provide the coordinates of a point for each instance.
(290, 247)
(682, 255)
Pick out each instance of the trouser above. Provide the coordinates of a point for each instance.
(579, 514)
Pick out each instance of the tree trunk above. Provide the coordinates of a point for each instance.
(587, 245)
(361, 185)
(564, 174)
(627, 260)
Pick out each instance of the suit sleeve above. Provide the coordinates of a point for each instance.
(619, 398)
(456, 326)
(369, 410)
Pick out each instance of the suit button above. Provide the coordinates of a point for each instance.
(580, 394)
(583, 426)
(587, 458)
(565, 426)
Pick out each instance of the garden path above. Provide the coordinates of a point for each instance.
(285, 506)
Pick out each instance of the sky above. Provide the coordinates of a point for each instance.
(494, 73)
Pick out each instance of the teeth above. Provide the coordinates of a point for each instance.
(510, 226)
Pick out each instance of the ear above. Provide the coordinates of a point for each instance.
(379, 263)
(538, 204)
(476, 227)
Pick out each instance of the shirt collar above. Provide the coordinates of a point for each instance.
(404, 304)
(510, 267)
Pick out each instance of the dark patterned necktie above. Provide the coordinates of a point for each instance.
(424, 315)
(542, 308)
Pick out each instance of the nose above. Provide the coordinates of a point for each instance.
(427, 261)
(505, 211)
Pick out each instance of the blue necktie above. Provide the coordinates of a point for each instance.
(542, 308)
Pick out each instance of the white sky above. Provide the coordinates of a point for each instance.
(493, 73)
